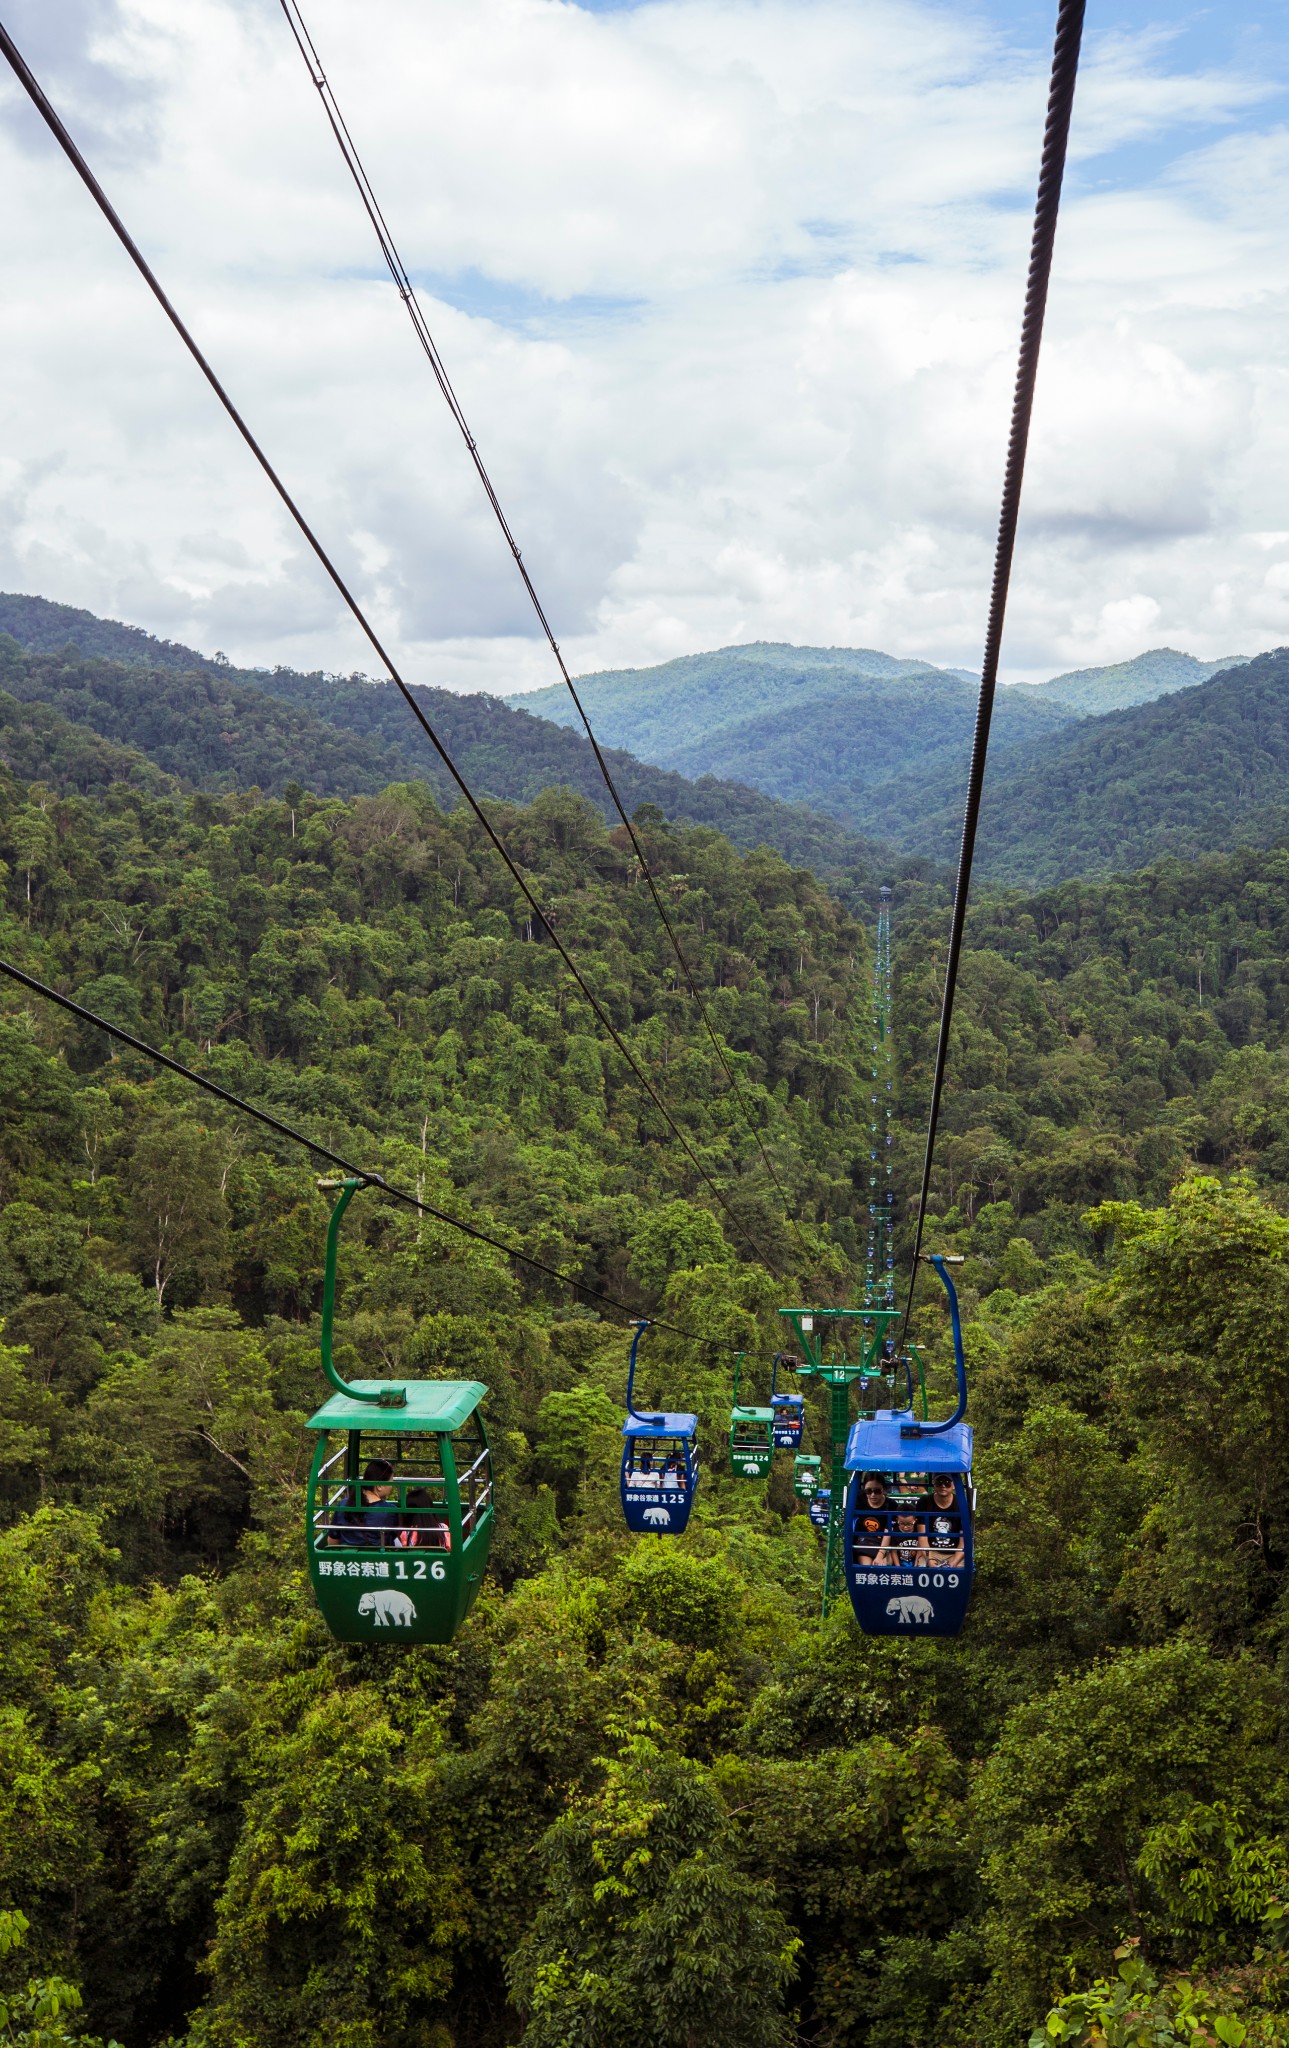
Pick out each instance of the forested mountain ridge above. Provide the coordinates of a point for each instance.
(1156, 673)
(821, 726)
(43, 627)
(644, 1798)
(882, 745)
(219, 727)
(659, 711)
(839, 753)
(1204, 769)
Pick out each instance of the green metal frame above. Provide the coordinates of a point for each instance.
(364, 1592)
(384, 1396)
(753, 1456)
(879, 1274)
(831, 1363)
(834, 1368)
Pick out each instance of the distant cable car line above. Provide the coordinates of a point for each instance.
(1047, 206)
(407, 292)
(35, 91)
(347, 1166)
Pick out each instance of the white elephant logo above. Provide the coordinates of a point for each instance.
(388, 1606)
(751, 1471)
(911, 1607)
(661, 1516)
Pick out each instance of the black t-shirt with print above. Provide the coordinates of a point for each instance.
(871, 1525)
(943, 1532)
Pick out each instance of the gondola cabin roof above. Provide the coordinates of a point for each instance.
(878, 1444)
(660, 1425)
(432, 1405)
(751, 1415)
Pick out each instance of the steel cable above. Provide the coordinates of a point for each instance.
(53, 121)
(407, 292)
(1056, 133)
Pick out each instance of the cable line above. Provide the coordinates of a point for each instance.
(347, 1166)
(407, 292)
(1056, 134)
(53, 121)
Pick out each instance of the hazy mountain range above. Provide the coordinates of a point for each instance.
(833, 727)
(847, 760)
(84, 701)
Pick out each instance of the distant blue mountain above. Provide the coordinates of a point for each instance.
(825, 726)
(1157, 673)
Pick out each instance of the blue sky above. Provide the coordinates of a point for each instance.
(730, 291)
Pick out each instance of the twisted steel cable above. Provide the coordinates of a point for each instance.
(1056, 135)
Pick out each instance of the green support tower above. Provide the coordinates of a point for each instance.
(826, 1336)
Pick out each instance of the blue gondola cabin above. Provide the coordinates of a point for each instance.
(908, 1529)
(789, 1412)
(659, 1472)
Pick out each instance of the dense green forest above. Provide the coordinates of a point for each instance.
(876, 758)
(662, 711)
(645, 1796)
(1098, 770)
(698, 699)
(861, 735)
(213, 726)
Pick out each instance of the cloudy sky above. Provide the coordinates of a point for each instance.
(729, 290)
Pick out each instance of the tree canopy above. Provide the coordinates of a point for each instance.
(644, 1795)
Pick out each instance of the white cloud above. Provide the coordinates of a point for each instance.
(730, 293)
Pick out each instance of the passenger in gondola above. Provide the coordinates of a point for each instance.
(904, 1545)
(673, 1475)
(366, 1525)
(943, 1521)
(423, 1527)
(645, 1473)
(873, 1520)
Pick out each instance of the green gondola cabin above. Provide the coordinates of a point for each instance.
(399, 1515)
(751, 1435)
(400, 1558)
(805, 1475)
(751, 1442)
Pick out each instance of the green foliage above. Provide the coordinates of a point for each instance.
(672, 1238)
(651, 1933)
(1078, 1781)
(828, 727)
(1188, 774)
(644, 1794)
(39, 2014)
(343, 1896)
(1140, 680)
(1133, 2010)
